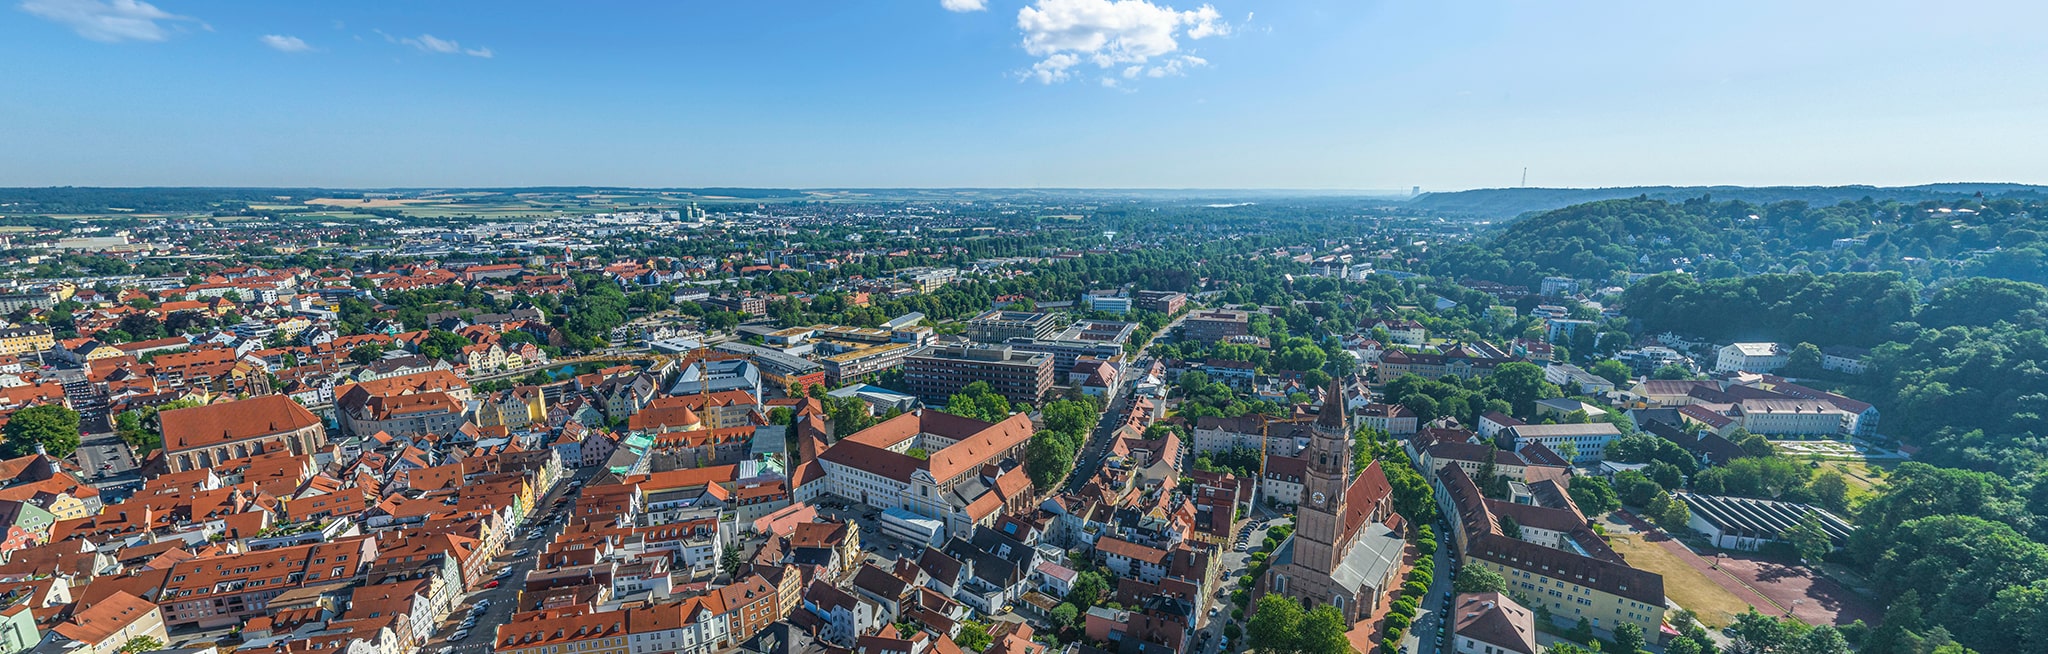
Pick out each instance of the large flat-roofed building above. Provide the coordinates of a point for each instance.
(1065, 352)
(929, 279)
(936, 373)
(1166, 302)
(1216, 325)
(1109, 301)
(747, 304)
(12, 302)
(998, 326)
(780, 369)
(203, 436)
(1099, 331)
(848, 366)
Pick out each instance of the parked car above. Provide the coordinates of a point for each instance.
(459, 635)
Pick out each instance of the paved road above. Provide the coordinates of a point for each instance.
(503, 598)
(105, 456)
(1091, 454)
(1429, 620)
(1097, 447)
(1233, 565)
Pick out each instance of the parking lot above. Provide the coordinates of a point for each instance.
(881, 549)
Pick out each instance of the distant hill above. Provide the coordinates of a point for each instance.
(1999, 237)
(1504, 203)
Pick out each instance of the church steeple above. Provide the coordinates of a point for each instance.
(1321, 516)
(1332, 399)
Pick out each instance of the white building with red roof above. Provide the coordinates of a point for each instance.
(956, 470)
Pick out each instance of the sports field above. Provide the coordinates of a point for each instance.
(1682, 583)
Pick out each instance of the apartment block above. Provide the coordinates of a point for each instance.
(1216, 325)
(998, 326)
(936, 373)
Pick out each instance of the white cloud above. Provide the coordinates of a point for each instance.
(964, 5)
(109, 21)
(1112, 34)
(1053, 68)
(428, 43)
(1176, 66)
(282, 43)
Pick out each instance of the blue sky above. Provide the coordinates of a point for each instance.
(1339, 94)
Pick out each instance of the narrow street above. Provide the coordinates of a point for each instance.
(1435, 610)
(502, 600)
(1092, 452)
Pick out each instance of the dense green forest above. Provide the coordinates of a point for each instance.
(1500, 203)
(2002, 237)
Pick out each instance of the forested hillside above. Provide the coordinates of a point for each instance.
(1956, 542)
(1504, 203)
(2002, 237)
(1962, 372)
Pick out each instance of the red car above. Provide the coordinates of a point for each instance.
(491, 584)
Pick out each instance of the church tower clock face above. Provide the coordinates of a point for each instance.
(1319, 498)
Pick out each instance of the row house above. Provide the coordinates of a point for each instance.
(219, 591)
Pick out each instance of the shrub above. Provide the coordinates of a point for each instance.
(1414, 589)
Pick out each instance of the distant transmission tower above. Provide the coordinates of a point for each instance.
(1525, 177)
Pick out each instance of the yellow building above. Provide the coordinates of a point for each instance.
(514, 408)
(1597, 586)
(26, 339)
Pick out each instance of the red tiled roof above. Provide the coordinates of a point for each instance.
(214, 424)
(97, 623)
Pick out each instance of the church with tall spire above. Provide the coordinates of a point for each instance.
(1346, 546)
